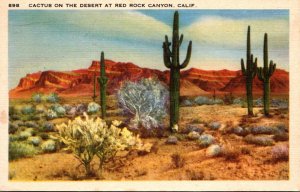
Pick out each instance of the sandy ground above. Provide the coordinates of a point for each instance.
(158, 165)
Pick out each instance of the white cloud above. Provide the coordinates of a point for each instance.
(228, 32)
(119, 24)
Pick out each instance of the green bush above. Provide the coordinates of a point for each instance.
(34, 140)
(37, 97)
(49, 146)
(44, 136)
(13, 138)
(52, 98)
(25, 134)
(12, 128)
(19, 149)
(28, 109)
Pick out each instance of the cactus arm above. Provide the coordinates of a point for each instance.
(254, 68)
(181, 39)
(103, 80)
(243, 67)
(260, 74)
(272, 68)
(167, 60)
(188, 56)
(167, 44)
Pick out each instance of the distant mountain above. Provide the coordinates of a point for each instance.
(193, 81)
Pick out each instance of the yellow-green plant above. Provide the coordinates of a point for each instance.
(91, 137)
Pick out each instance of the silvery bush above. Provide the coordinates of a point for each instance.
(93, 108)
(60, 110)
(37, 97)
(52, 98)
(146, 101)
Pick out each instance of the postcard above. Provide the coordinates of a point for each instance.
(149, 95)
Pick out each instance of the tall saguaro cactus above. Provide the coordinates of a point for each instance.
(171, 61)
(103, 82)
(264, 74)
(249, 72)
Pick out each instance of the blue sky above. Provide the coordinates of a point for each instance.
(65, 40)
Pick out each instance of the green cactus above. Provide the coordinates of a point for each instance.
(94, 95)
(171, 61)
(103, 82)
(249, 72)
(264, 74)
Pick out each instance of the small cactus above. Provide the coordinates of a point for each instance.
(103, 83)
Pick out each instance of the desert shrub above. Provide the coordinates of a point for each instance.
(81, 108)
(28, 109)
(49, 146)
(177, 160)
(144, 149)
(282, 127)
(213, 151)
(228, 98)
(145, 101)
(180, 137)
(240, 131)
(14, 117)
(279, 103)
(258, 102)
(89, 137)
(11, 174)
(44, 136)
(245, 150)
(172, 140)
(280, 153)
(52, 98)
(194, 127)
(48, 127)
(72, 111)
(19, 149)
(12, 127)
(12, 111)
(281, 136)
(51, 114)
(23, 135)
(263, 130)
(34, 140)
(193, 135)
(40, 108)
(202, 100)
(36, 97)
(214, 125)
(238, 101)
(259, 140)
(31, 124)
(193, 175)
(59, 110)
(13, 138)
(230, 152)
(93, 108)
(19, 123)
(205, 140)
(188, 102)
(67, 107)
